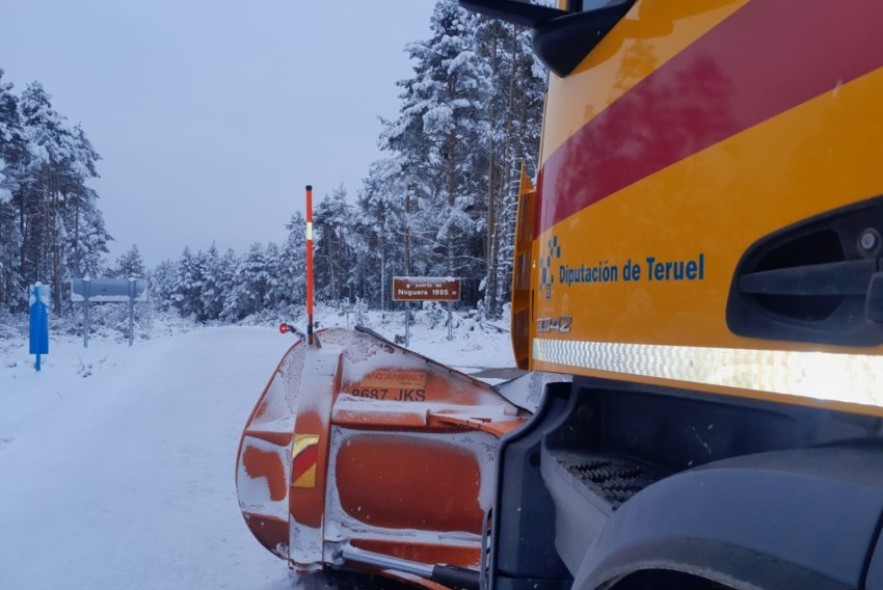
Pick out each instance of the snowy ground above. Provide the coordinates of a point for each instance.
(116, 463)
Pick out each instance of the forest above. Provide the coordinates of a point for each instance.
(441, 201)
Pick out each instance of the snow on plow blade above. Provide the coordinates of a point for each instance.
(360, 447)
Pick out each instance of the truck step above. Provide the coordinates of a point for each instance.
(613, 478)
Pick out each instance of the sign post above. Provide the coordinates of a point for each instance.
(131, 310)
(426, 289)
(450, 321)
(87, 288)
(309, 243)
(39, 321)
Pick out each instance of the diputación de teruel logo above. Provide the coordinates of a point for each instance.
(547, 277)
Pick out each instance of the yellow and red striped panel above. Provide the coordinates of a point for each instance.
(305, 455)
(692, 131)
(759, 62)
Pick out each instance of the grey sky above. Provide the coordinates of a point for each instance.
(212, 115)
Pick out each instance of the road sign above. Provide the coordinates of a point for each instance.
(108, 289)
(88, 290)
(425, 289)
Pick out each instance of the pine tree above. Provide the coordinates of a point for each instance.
(87, 237)
(272, 256)
(440, 141)
(290, 269)
(91, 236)
(12, 154)
(333, 226)
(380, 224)
(187, 292)
(252, 282)
(217, 275)
(43, 192)
(161, 283)
(514, 111)
(12, 141)
(129, 264)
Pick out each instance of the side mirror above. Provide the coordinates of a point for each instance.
(561, 39)
(513, 11)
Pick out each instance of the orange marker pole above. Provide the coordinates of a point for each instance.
(309, 264)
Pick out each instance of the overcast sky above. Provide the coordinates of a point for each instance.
(211, 115)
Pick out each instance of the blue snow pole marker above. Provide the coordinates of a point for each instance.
(39, 325)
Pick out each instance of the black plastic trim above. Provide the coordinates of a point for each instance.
(563, 42)
(814, 281)
(454, 576)
(522, 554)
(518, 13)
(850, 277)
(872, 574)
(561, 39)
(802, 518)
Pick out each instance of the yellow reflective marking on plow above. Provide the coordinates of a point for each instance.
(304, 454)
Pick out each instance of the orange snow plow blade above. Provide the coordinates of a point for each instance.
(364, 455)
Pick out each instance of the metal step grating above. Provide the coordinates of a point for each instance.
(615, 479)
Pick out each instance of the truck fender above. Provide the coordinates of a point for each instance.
(755, 521)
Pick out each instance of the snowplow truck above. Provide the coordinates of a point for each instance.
(700, 258)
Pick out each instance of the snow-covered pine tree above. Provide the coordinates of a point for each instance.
(217, 282)
(87, 237)
(251, 285)
(380, 225)
(187, 292)
(91, 236)
(129, 264)
(290, 270)
(48, 175)
(440, 140)
(12, 155)
(514, 111)
(273, 256)
(45, 188)
(333, 227)
(161, 283)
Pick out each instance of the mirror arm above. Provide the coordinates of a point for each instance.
(512, 11)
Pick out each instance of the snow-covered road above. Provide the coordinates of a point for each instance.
(123, 479)
(117, 463)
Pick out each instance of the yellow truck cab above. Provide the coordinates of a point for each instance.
(702, 253)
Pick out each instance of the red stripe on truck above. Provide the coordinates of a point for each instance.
(753, 66)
